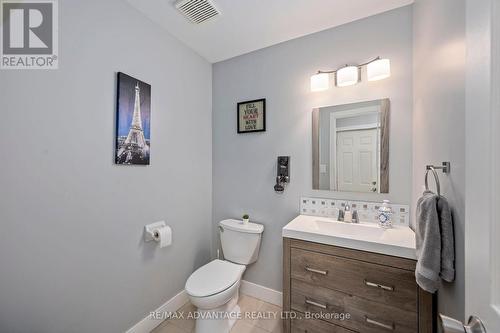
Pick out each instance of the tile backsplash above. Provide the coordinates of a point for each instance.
(367, 211)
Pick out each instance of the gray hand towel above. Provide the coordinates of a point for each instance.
(447, 240)
(428, 239)
(435, 242)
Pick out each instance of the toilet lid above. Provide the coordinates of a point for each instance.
(213, 278)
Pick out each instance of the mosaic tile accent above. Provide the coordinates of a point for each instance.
(367, 211)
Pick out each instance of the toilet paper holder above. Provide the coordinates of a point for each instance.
(151, 231)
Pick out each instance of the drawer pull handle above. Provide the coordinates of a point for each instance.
(376, 285)
(318, 271)
(319, 305)
(379, 324)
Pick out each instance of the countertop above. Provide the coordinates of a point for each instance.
(398, 241)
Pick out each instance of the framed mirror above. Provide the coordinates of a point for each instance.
(351, 147)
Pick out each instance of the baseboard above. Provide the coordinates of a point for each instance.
(147, 324)
(263, 293)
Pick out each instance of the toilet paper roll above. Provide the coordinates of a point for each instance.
(163, 235)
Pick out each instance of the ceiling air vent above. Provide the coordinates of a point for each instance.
(197, 11)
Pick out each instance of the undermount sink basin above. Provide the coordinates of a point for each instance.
(397, 241)
(343, 228)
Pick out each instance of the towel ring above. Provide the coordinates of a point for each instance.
(445, 167)
(436, 178)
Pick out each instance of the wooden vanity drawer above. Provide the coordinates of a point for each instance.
(303, 325)
(382, 284)
(365, 316)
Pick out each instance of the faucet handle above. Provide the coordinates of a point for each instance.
(341, 215)
(355, 218)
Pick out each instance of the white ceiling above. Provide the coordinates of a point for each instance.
(249, 25)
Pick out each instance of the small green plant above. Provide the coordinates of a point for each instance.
(245, 217)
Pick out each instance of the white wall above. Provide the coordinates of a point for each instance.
(439, 119)
(244, 165)
(72, 257)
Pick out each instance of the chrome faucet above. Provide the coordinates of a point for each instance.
(345, 214)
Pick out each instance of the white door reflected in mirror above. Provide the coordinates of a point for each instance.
(351, 147)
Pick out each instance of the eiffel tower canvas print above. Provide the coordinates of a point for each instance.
(133, 121)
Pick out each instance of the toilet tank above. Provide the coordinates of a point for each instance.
(240, 242)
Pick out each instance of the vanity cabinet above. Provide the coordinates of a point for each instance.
(378, 292)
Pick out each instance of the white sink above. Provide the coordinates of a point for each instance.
(398, 241)
(342, 228)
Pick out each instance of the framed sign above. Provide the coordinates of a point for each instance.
(252, 116)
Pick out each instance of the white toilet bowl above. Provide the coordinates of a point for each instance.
(213, 289)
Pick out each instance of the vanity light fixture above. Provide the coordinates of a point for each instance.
(347, 76)
(320, 82)
(376, 69)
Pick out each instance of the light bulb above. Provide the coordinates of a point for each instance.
(378, 69)
(347, 76)
(320, 82)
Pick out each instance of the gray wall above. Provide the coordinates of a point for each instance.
(439, 118)
(244, 165)
(71, 252)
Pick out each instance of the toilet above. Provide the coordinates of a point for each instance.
(214, 287)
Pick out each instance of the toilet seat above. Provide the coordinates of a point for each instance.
(214, 278)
